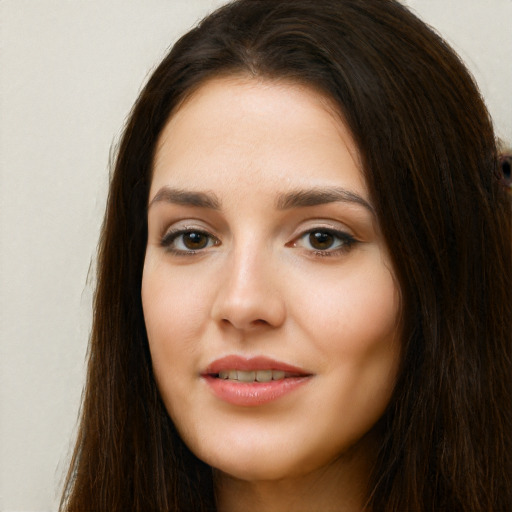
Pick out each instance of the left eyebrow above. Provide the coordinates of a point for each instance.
(315, 197)
(185, 198)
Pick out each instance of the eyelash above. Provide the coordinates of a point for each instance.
(344, 240)
(170, 237)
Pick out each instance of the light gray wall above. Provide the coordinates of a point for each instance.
(70, 71)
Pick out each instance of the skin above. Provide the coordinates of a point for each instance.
(260, 286)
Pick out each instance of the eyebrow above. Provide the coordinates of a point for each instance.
(315, 197)
(186, 198)
(287, 201)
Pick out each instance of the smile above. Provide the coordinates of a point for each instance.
(255, 376)
(254, 381)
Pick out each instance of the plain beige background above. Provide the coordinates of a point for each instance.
(70, 71)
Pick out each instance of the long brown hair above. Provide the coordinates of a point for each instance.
(430, 162)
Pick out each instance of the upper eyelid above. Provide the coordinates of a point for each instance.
(343, 230)
(341, 234)
(185, 229)
(333, 226)
(334, 231)
(175, 232)
(201, 222)
(184, 225)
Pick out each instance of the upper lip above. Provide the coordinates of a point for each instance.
(234, 362)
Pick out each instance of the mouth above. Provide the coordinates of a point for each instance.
(254, 376)
(254, 381)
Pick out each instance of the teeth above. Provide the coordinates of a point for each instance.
(252, 376)
(246, 376)
(264, 375)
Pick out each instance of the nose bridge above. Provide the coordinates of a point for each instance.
(249, 293)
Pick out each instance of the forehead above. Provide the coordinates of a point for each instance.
(239, 130)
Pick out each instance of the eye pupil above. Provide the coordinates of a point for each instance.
(321, 240)
(195, 240)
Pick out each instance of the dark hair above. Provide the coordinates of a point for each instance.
(430, 163)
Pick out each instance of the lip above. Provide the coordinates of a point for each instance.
(255, 393)
(252, 364)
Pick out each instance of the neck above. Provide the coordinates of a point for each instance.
(340, 486)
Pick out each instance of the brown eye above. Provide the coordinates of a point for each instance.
(195, 240)
(321, 240)
(325, 242)
(188, 241)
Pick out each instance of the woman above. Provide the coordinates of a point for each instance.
(305, 276)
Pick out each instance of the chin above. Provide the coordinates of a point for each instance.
(259, 470)
(253, 461)
(264, 462)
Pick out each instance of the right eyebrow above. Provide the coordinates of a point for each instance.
(185, 198)
(318, 196)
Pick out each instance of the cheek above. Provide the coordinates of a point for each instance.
(359, 337)
(354, 324)
(173, 305)
(174, 314)
(353, 313)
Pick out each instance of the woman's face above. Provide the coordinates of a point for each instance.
(268, 294)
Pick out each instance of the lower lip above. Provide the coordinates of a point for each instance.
(254, 393)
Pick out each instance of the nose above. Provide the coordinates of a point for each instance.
(249, 295)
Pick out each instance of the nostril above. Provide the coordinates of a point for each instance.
(259, 322)
(251, 324)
